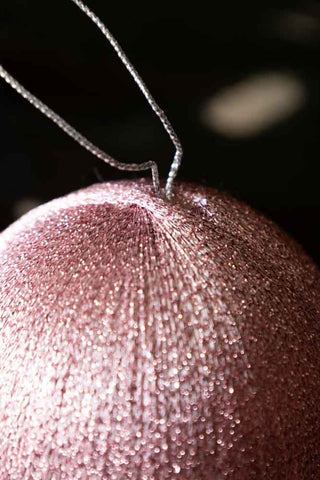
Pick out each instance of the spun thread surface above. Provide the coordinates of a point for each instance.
(148, 340)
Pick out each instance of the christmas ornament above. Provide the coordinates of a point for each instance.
(152, 336)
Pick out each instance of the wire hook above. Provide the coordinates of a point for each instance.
(83, 141)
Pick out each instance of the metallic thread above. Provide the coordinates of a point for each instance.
(147, 340)
(83, 141)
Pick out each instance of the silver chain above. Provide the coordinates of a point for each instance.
(83, 141)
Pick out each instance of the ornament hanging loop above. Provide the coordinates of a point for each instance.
(145, 91)
(84, 142)
(78, 137)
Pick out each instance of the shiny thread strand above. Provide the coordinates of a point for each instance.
(83, 141)
(144, 89)
(77, 136)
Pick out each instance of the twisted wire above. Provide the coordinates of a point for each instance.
(83, 141)
(77, 136)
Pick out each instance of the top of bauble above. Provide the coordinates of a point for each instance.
(144, 339)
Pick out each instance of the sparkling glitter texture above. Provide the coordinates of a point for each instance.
(145, 340)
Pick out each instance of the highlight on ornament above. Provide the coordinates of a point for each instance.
(148, 339)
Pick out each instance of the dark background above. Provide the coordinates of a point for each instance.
(186, 54)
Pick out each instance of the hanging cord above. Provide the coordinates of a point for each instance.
(84, 142)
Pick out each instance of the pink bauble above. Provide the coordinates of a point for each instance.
(147, 340)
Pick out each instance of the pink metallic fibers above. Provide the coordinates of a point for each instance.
(144, 340)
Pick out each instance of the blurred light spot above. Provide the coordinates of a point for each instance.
(255, 104)
(24, 205)
(296, 26)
